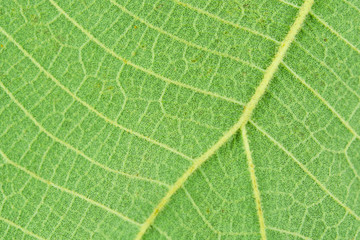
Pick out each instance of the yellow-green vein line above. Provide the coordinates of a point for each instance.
(254, 183)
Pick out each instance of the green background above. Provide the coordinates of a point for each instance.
(104, 104)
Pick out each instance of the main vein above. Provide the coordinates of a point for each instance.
(248, 109)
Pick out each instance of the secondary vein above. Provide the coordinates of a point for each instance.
(254, 183)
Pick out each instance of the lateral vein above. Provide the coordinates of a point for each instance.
(147, 71)
(88, 106)
(184, 41)
(326, 25)
(71, 192)
(254, 183)
(77, 151)
(213, 16)
(248, 109)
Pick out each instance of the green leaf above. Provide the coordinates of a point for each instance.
(187, 119)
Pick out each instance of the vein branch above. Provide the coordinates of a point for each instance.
(213, 16)
(288, 232)
(254, 183)
(248, 110)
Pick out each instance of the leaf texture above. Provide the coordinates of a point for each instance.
(182, 119)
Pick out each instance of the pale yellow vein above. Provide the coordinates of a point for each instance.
(322, 186)
(71, 192)
(21, 228)
(91, 108)
(250, 106)
(188, 43)
(166, 235)
(150, 72)
(254, 184)
(42, 129)
(289, 4)
(288, 232)
(212, 228)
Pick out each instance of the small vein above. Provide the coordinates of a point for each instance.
(342, 120)
(279, 145)
(32, 118)
(289, 4)
(352, 5)
(329, 68)
(288, 232)
(183, 40)
(254, 183)
(125, 61)
(336, 33)
(21, 228)
(92, 109)
(201, 11)
(212, 228)
(162, 233)
(199, 212)
(355, 171)
(245, 116)
(73, 193)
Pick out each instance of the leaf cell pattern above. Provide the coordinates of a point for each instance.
(181, 119)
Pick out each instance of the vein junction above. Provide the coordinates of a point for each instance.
(248, 110)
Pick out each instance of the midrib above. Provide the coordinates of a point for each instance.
(248, 110)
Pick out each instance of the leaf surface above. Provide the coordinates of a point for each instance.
(180, 119)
